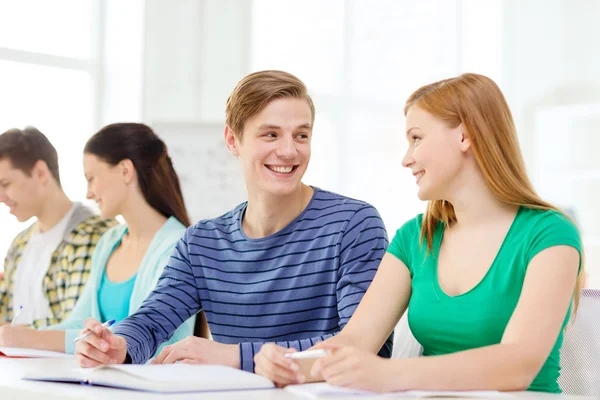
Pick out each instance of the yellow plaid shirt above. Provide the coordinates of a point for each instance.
(67, 274)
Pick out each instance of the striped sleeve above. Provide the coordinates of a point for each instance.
(362, 247)
(173, 301)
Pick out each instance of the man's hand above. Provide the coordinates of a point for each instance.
(195, 350)
(101, 347)
(270, 362)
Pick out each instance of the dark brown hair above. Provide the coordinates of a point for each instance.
(148, 153)
(25, 147)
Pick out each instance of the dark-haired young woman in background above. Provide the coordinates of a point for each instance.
(129, 173)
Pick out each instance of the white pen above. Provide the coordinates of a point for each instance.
(307, 354)
(14, 320)
(88, 333)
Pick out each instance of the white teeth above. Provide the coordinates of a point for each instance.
(419, 175)
(281, 170)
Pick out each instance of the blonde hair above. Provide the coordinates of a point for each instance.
(476, 102)
(258, 89)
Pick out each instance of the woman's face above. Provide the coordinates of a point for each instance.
(106, 185)
(434, 154)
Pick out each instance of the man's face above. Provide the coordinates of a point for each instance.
(20, 192)
(275, 147)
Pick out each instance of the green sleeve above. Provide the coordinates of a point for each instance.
(554, 229)
(405, 240)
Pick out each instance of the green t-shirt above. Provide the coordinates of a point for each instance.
(444, 324)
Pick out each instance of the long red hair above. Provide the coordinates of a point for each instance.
(476, 102)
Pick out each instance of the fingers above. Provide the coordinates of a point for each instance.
(325, 346)
(97, 342)
(91, 353)
(190, 361)
(281, 376)
(322, 363)
(114, 341)
(85, 362)
(176, 355)
(343, 378)
(96, 348)
(93, 325)
(339, 368)
(271, 363)
(164, 353)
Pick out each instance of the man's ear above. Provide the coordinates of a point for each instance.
(465, 140)
(127, 170)
(41, 172)
(231, 141)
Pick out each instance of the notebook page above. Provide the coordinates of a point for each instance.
(317, 390)
(183, 373)
(33, 353)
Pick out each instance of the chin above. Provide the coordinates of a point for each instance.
(107, 214)
(283, 190)
(21, 217)
(423, 195)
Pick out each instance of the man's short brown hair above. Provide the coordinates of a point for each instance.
(25, 147)
(257, 90)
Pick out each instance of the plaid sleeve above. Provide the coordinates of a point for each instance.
(4, 290)
(8, 277)
(71, 267)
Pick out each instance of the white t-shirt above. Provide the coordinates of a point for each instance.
(33, 266)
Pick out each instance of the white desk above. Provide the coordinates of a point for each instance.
(13, 387)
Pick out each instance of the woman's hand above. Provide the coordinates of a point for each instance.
(356, 369)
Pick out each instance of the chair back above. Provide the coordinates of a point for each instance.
(580, 352)
(405, 344)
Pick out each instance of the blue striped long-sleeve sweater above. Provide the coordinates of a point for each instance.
(296, 287)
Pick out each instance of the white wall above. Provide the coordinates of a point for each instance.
(195, 51)
(544, 53)
(551, 62)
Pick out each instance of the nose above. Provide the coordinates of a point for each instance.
(408, 160)
(89, 195)
(287, 148)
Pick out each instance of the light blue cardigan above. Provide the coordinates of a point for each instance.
(154, 261)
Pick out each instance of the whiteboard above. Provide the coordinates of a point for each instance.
(211, 178)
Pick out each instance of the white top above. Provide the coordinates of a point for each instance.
(28, 291)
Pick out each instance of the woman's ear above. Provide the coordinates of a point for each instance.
(127, 170)
(231, 141)
(465, 140)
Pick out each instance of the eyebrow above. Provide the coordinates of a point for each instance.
(271, 126)
(408, 131)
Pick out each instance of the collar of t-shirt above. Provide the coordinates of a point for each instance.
(33, 265)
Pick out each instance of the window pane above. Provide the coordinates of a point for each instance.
(322, 170)
(305, 38)
(398, 46)
(375, 145)
(59, 103)
(57, 27)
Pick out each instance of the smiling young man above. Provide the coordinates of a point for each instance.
(47, 265)
(289, 266)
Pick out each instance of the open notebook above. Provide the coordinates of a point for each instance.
(162, 378)
(31, 353)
